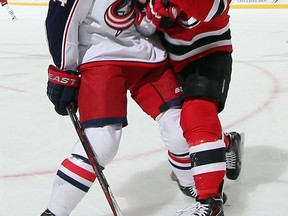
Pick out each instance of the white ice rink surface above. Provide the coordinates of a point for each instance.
(34, 139)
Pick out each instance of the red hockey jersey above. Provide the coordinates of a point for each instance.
(202, 28)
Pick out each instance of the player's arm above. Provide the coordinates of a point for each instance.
(202, 10)
(163, 13)
(62, 24)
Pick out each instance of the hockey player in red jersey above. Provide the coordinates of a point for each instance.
(197, 36)
(4, 3)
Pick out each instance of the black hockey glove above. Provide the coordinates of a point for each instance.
(62, 88)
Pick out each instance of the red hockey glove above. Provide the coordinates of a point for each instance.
(62, 88)
(161, 13)
(139, 6)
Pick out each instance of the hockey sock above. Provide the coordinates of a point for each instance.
(202, 130)
(181, 166)
(178, 149)
(73, 180)
(104, 141)
(226, 140)
(200, 122)
(208, 167)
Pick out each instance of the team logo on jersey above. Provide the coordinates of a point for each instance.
(120, 16)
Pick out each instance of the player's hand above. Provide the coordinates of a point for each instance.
(62, 88)
(139, 7)
(161, 13)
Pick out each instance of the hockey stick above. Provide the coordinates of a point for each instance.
(93, 161)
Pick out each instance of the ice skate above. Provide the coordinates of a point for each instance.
(212, 206)
(47, 213)
(234, 155)
(190, 191)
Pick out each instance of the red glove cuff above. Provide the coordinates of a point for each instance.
(60, 77)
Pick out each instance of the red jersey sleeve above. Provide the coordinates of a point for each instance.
(202, 10)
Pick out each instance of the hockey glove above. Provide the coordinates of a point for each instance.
(161, 13)
(62, 88)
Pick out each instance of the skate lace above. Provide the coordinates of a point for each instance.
(192, 191)
(231, 160)
(197, 209)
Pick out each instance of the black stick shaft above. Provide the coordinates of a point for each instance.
(94, 162)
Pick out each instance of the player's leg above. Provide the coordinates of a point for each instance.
(159, 98)
(205, 90)
(9, 9)
(178, 151)
(75, 175)
(179, 160)
(178, 155)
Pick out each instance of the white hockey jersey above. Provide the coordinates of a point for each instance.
(83, 31)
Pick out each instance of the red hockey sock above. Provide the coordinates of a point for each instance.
(208, 184)
(200, 122)
(227, 141)
(202, 130)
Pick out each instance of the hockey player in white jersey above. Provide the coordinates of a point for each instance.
(100, 41)
(106, 42)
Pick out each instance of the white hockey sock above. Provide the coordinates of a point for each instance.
(64, 197)
(175, 143)
(104, 141)
(181, 166)
(73, 180)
